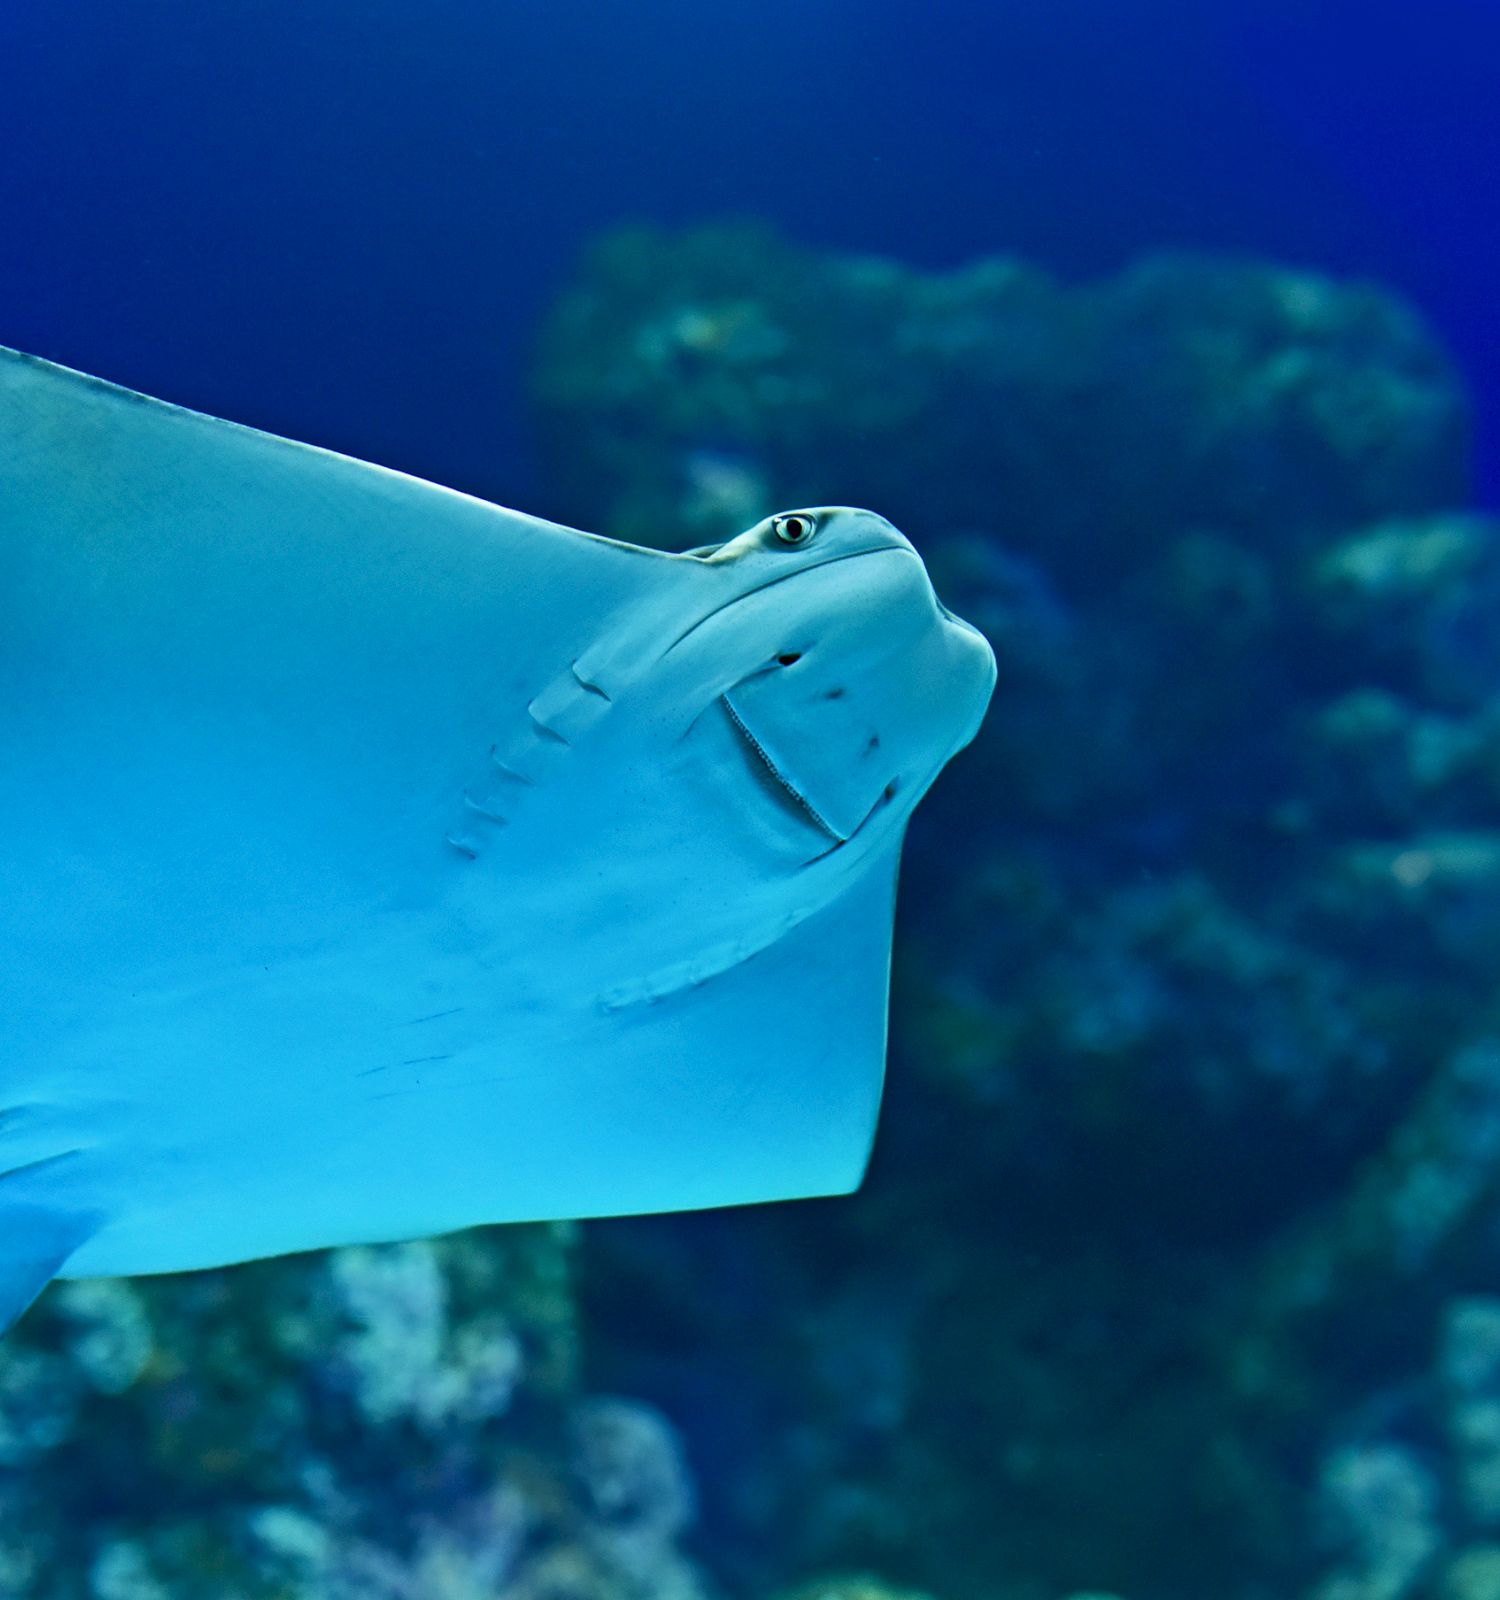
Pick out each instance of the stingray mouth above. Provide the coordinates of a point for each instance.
(774, 781)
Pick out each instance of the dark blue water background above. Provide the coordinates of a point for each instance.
(342, 220)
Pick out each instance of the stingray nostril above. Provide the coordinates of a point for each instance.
(834, 694)
(890, 789)
(873, 745)
(789, 659)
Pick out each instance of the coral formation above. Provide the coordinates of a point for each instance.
(1409, 1484)
(690, 381)
(1194, 1096)
(394, 1423)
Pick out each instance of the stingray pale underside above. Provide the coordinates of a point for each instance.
(323, 893)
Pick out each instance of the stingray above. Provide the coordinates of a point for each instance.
(376, 862)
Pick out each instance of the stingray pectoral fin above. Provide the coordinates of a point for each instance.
(35, 1243)
(759, 1081)
(260, 676)
(161, 566)
(136, 480)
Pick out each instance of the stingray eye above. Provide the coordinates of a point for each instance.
(796, 527)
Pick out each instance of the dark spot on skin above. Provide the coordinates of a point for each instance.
(834, 694)
(873, 745)
(890, 789)
(790, 659)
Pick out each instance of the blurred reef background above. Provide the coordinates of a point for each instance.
(1177, 1274)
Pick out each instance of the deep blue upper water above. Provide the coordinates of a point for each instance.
(342, 221)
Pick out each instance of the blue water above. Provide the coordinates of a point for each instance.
(342, 221)
(1176, 1276)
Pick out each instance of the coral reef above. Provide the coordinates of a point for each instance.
(393, 1423)
(1409, 1484)
(1192, 1122)
(690, 381)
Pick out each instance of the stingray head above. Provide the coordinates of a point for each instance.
(840, 677)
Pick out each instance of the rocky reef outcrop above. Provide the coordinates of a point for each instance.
(1195, 1093)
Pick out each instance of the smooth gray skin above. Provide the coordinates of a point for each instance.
(375, 862)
